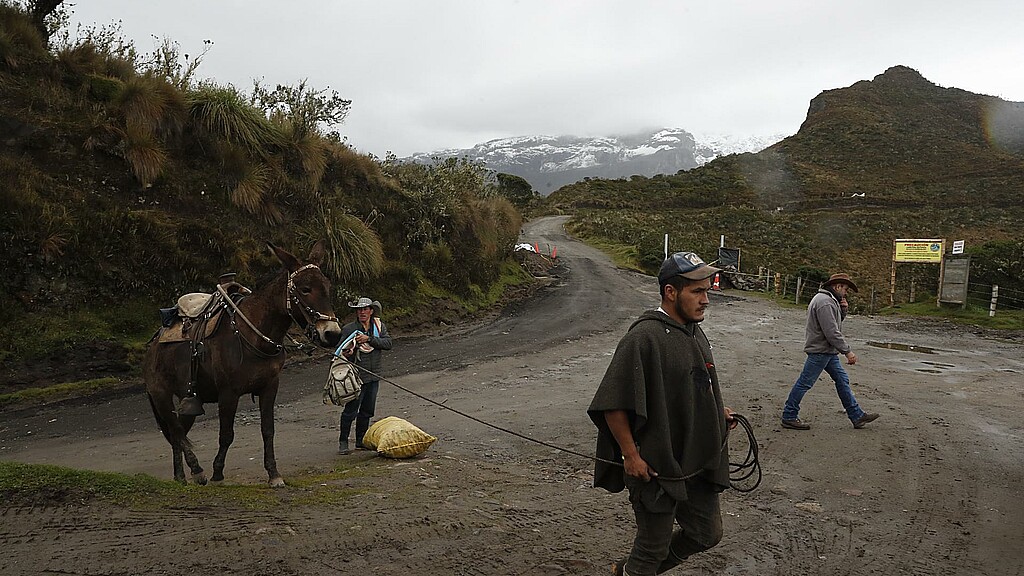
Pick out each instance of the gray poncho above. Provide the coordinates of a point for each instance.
(664, 376)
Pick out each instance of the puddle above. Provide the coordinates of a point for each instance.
(903, 347)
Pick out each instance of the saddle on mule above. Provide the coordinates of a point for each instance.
(196, 315)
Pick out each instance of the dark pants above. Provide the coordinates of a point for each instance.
(657, 547)
(361, 411)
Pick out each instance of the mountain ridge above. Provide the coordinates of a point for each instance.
(896, 156)
(550, 162)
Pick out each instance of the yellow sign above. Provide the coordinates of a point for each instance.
(929, 251)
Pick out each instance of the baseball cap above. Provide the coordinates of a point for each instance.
(685, 264)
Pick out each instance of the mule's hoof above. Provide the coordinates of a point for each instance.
(191, 406)
(199, 479)
(277, 482)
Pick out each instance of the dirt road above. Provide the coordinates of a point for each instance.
(933, 487)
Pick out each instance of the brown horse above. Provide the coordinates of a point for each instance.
(242, 355)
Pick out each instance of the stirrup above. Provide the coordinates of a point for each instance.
(191, 406)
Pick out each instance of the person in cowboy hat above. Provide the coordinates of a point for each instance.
(823, 344)
(371, 336)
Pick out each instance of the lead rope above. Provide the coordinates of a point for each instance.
(743, 470)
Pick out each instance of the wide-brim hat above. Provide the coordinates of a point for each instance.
(840, 279)
(364, 302)
(685, 264)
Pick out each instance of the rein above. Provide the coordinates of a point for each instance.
(290, 295)
(234, 307)
(738, 472)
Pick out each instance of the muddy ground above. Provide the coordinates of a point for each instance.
(933, 487)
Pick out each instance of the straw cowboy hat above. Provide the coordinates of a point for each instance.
(840, 279)
(364, 302)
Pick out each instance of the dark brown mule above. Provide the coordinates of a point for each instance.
(243, 355)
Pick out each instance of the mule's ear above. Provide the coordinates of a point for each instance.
(291, 263)
(316, 255)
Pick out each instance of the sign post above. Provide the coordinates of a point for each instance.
(920, 251)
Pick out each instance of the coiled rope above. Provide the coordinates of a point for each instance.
(738, 472)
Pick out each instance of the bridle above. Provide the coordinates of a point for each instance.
(309, 314)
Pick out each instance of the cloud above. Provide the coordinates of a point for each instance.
(429, 75)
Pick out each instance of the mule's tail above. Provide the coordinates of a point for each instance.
(169, 428)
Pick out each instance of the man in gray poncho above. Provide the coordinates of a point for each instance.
(659, 411)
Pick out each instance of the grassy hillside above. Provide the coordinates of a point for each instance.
(124, 183)
(894, 157)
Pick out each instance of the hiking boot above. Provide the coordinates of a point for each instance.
(191, 406)
(344, 448)
(863, 420)
(795, 424)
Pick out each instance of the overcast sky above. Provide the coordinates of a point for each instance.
(425, 75)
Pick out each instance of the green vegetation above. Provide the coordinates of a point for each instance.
(896, 157)
(126, 182)
(57, 392)
(971, 314)
(27, 484)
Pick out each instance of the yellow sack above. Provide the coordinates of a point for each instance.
(397, 438)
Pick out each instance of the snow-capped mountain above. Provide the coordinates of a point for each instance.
(550, 162)
(711, 146)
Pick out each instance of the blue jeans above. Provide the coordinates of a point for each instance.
(361, 410)
(813, 366)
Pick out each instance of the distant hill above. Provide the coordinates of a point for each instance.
(893, 157)
(550, 162)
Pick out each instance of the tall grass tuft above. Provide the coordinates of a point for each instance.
(253, 192)
(144, 154)
(150, 105)
(20, 41)
(222, 112)
(119, 66)
(306, 149)
(77, 62)
(354, 250)
(8, 50)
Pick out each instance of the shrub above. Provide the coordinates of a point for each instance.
(104, 88)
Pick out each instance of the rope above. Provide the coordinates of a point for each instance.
(234, 307)
(737, 472)
(751, 465)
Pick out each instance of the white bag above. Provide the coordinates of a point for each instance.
(343, 383)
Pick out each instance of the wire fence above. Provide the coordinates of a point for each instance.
(874, 298)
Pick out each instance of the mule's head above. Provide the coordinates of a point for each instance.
(308, 296)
